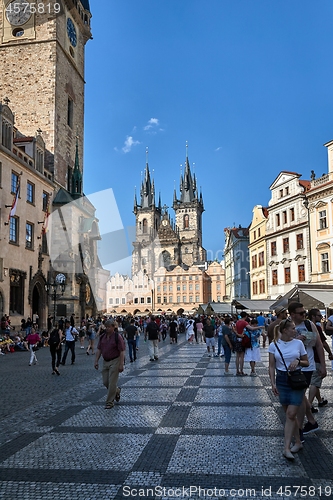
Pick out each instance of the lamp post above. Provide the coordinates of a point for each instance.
(152, 290)
(56, 290)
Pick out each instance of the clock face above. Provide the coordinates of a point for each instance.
(71, 32)
(60, 278)
(18, 12)
(164, 222)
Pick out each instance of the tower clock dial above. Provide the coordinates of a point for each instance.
(71, 32)
(18, 12)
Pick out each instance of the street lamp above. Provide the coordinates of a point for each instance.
(152, 290)
(56, 290)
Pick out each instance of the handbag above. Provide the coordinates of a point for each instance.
(296, 379)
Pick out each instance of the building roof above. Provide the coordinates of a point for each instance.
(85, 4)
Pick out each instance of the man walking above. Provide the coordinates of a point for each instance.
(307, 332)
(130, 334)
(111, 347)
(153, 334)
(70, 333)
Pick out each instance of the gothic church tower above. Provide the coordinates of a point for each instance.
(42, 72)
(188, 210)
(148, 219)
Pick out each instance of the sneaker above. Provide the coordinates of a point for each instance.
(117, 396)
(152, 359)
(253, 374)
(314, 410)
(308, 427)
(216, 355)
(209, 355)
(322, 403)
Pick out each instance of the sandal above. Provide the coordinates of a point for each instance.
(108, 406)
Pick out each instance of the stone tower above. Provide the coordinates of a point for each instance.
(42, 72)
(148, 219)
(188, 211)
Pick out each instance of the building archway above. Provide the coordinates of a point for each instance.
(38, 299)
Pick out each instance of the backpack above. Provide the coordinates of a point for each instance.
(246, 340)
(54, 338)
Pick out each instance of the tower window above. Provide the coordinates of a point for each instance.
(69, 179)
(186, 221)
(145, 226)
(70, 112)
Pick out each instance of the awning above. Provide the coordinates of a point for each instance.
(254, 305)
(309, 296)
(219, 308)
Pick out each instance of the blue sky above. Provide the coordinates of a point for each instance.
(248, 83)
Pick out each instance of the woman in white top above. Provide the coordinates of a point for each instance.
(295, 357)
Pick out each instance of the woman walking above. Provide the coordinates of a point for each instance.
(91, 338)
(55, 349)
(252, 354)
(33, 338)
(287, 352)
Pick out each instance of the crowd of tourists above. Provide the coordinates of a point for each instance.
(295, 339)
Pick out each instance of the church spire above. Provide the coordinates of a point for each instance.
(76, 184)
(187, 183)
(147, 190)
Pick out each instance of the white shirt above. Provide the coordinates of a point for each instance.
(290, 350)
(309, 343)
(69, 332)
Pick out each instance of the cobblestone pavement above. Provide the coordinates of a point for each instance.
(181, 425)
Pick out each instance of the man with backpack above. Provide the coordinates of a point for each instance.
(55, 349)
(111, 347)
(153, 334)
(307, 332)
(70, 336)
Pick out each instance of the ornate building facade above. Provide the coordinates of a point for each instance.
(169, 268)
(43, 84)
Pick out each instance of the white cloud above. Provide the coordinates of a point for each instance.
(218, 149)
(129, 143)
(151, 123)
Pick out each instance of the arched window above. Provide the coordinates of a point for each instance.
(186, 221)
(145, 226)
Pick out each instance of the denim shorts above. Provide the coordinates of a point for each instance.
(287, 395)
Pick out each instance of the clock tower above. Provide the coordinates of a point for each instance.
(42, 49)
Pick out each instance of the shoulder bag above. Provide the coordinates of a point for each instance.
(296, 379)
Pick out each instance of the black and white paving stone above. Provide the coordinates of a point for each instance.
(181, 430)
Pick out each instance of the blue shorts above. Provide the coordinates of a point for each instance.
(287, 395)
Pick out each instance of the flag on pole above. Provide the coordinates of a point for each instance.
(15, 200)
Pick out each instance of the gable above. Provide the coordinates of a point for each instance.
(283, 178)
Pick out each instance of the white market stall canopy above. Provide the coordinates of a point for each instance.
(254, 305)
